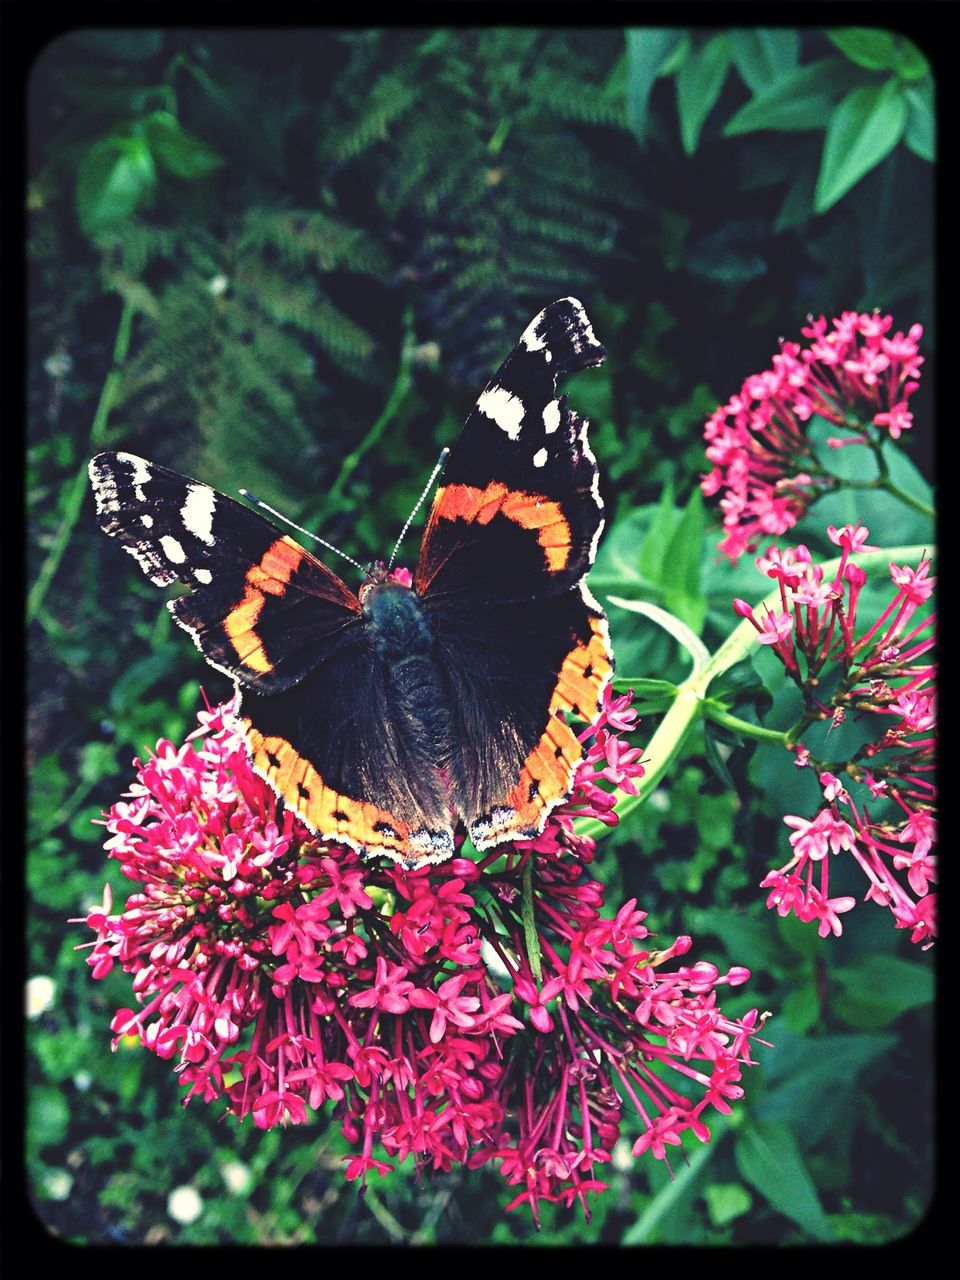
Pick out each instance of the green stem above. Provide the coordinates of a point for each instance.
(746, 728)
(908, 500)
(887, 485)
(689, 705)
(76, 493)
(530, 937)
(399, 390)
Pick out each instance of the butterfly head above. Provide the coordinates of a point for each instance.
(376, 576)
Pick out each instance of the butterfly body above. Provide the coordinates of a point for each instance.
(403, 640)
(384, 716)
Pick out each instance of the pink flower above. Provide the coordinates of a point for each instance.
(279, 976)
(391, 991)
(775, 629)
(880, 671)
(764, 468)
(448, 1005)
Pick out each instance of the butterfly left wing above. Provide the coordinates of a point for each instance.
(294, 638)
(260, 605)
(510, 537)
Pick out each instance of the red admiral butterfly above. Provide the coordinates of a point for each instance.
(380, 716)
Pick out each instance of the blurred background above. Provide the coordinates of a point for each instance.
(290, 260)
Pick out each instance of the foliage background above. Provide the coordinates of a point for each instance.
(290, 260)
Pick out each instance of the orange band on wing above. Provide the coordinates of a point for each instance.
(276, 567)
(529, 510)
(545, 777)
(331, 815)
(547, 773)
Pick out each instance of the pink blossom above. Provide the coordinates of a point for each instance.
(880, 671)
(279, 976)
(763, 465)
(775, 629)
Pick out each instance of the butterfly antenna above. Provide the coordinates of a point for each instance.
(264, 506)
(441, 463)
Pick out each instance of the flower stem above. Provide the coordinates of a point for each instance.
(75, 494)
(887, 485)
(746, 728)
(530, 936)
(690, 703)
(908, 500)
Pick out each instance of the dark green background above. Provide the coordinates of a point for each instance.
(289, 260)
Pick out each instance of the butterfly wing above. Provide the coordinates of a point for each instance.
(509, 540)
(294, 638)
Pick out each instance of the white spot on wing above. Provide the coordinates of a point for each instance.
(540, 458)
(203, 575)
(146, 521)
(551, 416)
(503, 408)
(197, 512)
(141, 474)
(172, 549)
(531, 339)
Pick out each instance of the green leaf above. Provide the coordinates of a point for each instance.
(177, 151)
(699, 83)
(877, 989)
(113, 178)
(84, 824)
(683, 558)
(769, 1159)
(764, 56)
(137, 679)
(797, 207)
(804, 99)
(817, 1078)
(881, 51)
(647, 49)
(715, 758)
(47, 790)
(920, 134)
(671, 624)
(876, 508)
(97, 760)
(658, 534)
(864, 129)
(801, 1008)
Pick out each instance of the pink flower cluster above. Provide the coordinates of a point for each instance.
(464, 1013)
(886, 677)
(854, 374)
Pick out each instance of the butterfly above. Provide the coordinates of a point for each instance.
(382, 716)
